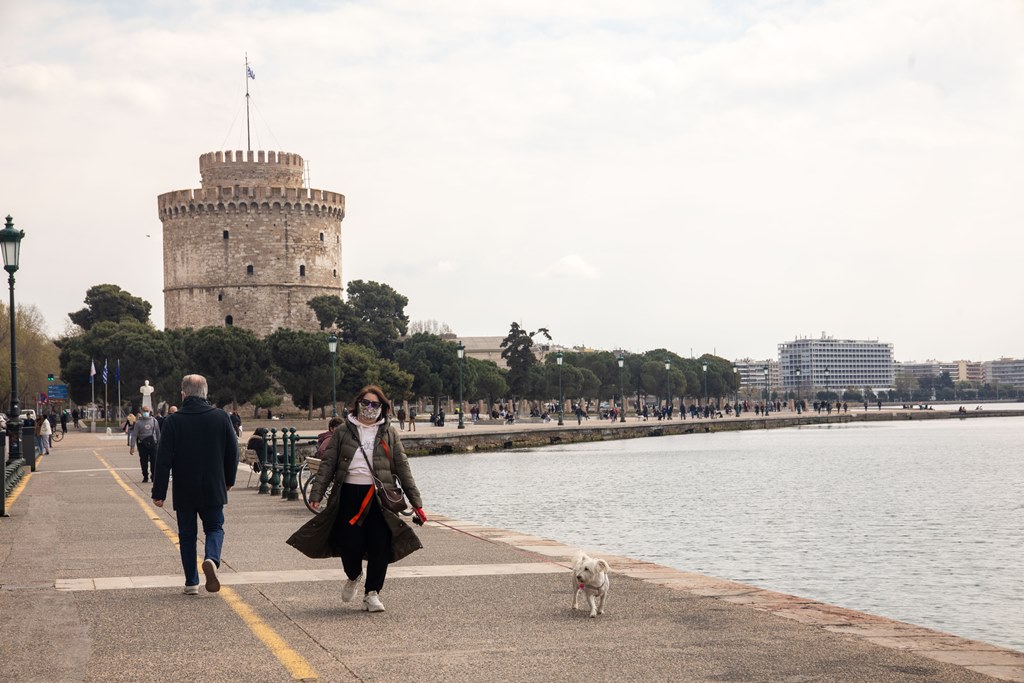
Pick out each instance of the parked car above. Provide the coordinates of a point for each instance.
(26, 414)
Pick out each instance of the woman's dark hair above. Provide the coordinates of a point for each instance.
(385, 402)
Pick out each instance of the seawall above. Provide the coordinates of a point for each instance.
(430, 440)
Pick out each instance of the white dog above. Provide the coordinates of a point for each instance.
(590, 576)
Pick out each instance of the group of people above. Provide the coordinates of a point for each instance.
(361, 454)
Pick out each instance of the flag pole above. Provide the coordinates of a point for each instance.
(117, 376)
(248, 144)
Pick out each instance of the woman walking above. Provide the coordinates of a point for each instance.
(364, 453)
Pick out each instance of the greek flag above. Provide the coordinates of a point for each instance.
(250, 73)
(104, 370)
(92, 371)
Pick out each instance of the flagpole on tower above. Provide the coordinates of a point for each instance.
(248, 74)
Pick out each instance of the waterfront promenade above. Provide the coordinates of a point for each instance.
(90, 590)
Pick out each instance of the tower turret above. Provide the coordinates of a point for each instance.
(251, 246)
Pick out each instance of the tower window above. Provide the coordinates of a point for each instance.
(335, 272)
(302, 271)
(220, 297)
(248, 269)
(321, 237)
(229, 321)
(226, 232)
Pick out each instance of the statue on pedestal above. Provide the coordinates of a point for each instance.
(147, 393)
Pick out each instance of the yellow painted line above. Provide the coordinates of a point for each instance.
(297, 666)
(19, 487)
(295, 663)
(146, 507)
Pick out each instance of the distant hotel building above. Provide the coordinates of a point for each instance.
(751, 373)
(807, 365)
(959, 370)
(1008, 371)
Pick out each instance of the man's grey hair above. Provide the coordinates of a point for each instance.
(194, 385)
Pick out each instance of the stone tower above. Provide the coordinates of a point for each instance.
(251, 246)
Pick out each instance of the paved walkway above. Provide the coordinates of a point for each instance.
(90, 591)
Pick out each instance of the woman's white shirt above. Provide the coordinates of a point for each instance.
(358, 469)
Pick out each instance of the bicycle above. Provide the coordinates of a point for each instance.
(57, 436)
(307, 480)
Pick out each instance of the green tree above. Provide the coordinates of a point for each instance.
(37, 354)
(488, 381)
(143, 353)
(234, 361)
(517, 350)
(359, 365)
(434, 366)
(112, 304)
(302, 365)
(270, 398)
(374, 315)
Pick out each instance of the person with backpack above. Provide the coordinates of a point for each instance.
(145, 435)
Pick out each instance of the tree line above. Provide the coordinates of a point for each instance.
(374, 346)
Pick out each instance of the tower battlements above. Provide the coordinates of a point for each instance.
(251, 168)
(250, 199)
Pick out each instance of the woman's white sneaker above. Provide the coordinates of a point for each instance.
(349, 590)
(372, 603)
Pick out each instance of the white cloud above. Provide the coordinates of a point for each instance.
(821, 147)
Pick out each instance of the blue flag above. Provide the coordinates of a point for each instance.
(250, 73)
(104, 370)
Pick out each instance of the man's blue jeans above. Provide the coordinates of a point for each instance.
(188, 535)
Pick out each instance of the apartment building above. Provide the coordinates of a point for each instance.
(827, 363)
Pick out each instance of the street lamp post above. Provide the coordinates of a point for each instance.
(798, 406)
(826, 384)
(622, 395)
(735, 381)
(332, 346)
(460, 351)
(668, 386)
(10, 242)
(561, 401)
(767, 390)
(705, 366)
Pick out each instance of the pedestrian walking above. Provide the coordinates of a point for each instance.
(199, 447)
(401, 418)
(43, 432)
(145, 436)
(365, 453)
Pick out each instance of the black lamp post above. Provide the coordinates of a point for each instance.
(767, 390)
(705, 366)
(10, 242)
(332, 345)
(826, 384)
(622, 395)
(460, 351)
(668, 385)
(735, 380)
(798, 373)
(561, 401)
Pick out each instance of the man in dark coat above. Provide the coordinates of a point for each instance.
(198, 445)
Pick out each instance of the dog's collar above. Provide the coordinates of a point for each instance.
(598, 588)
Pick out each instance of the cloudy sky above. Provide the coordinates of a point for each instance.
(696, 175)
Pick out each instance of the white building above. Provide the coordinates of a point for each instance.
(1007, 371)
(809, 365)
(751, 373)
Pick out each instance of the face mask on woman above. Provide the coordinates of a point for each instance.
(369, 410)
